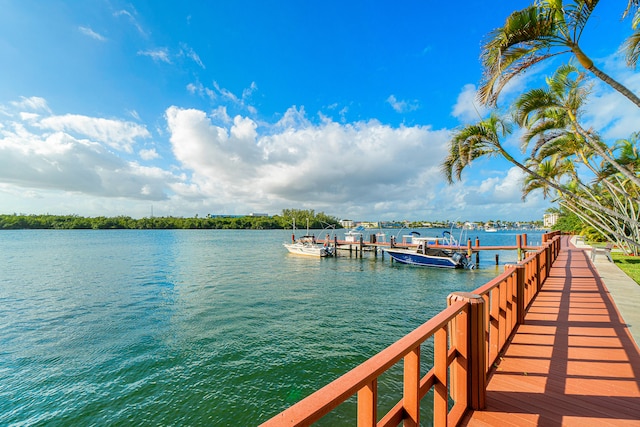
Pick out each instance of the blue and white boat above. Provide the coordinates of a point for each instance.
(425, 256)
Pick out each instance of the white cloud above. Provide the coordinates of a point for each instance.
(402, 106)
(225, 96)
(135, 115)
(610, 112)
(467, 108)
(224, 164)
(190, 53)
(158, 55)
(296, 163)
(33, 103)
(131, 19)
(89, 32)
(148, 154)
(115, 133)
(497, 197)
(60, 162)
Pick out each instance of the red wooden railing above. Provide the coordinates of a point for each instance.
(468, 337)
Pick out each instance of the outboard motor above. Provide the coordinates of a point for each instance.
(463, 260)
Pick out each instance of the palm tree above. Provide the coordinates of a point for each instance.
(552, 116)
(483, 139)
(541, 31)
(632, 45)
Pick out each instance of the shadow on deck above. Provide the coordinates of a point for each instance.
(572, 362)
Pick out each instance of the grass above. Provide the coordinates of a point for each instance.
(629, 264)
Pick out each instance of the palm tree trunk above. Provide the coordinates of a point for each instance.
(599, 225)
(614, 84)
(587, 63)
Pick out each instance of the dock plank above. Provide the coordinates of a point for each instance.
(572, 363)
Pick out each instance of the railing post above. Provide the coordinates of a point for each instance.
(411, 389)
(547, 253)
(538, 273)
(520, 299)
(477, 349)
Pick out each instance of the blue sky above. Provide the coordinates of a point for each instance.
(117, 108)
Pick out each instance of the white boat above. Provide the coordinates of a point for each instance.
(490, 229)
(307, 245)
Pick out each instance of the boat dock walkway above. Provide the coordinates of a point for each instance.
(575, 360)
(469, 246)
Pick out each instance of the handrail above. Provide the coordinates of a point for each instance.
(362, 378)
(468, 338)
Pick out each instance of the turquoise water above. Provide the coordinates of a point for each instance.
(186, 327)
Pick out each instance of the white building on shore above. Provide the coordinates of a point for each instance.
(550, 219)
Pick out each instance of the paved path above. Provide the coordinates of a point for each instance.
(574, 361)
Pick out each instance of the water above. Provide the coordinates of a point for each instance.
(186, 327)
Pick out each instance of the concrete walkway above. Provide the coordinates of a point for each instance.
(624, 291)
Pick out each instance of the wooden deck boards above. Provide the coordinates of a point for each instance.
(573, 361)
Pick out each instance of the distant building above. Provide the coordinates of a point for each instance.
(550, 219)
(370, 224)
(347, 223)
(258, 214)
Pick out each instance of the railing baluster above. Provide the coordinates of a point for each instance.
(412, 385)
(440, 389)
(368, 404)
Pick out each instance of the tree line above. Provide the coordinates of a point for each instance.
(76, 222)
(593, 180)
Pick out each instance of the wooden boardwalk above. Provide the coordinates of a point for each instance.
(572, 363)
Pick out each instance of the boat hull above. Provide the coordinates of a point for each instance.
(309, 250)
(424, 260)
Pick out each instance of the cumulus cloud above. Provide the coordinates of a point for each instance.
(149, 154)
(59, 161)
(296, 162)
(117, 134)
(33, 103)
(233, 164)
(71, 153)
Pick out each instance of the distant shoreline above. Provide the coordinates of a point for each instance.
(218, 222)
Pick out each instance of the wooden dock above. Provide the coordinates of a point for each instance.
(572, 363)
(470, 247)
(542, 344)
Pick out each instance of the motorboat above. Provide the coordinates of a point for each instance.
(306, 245)
(425, 256)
